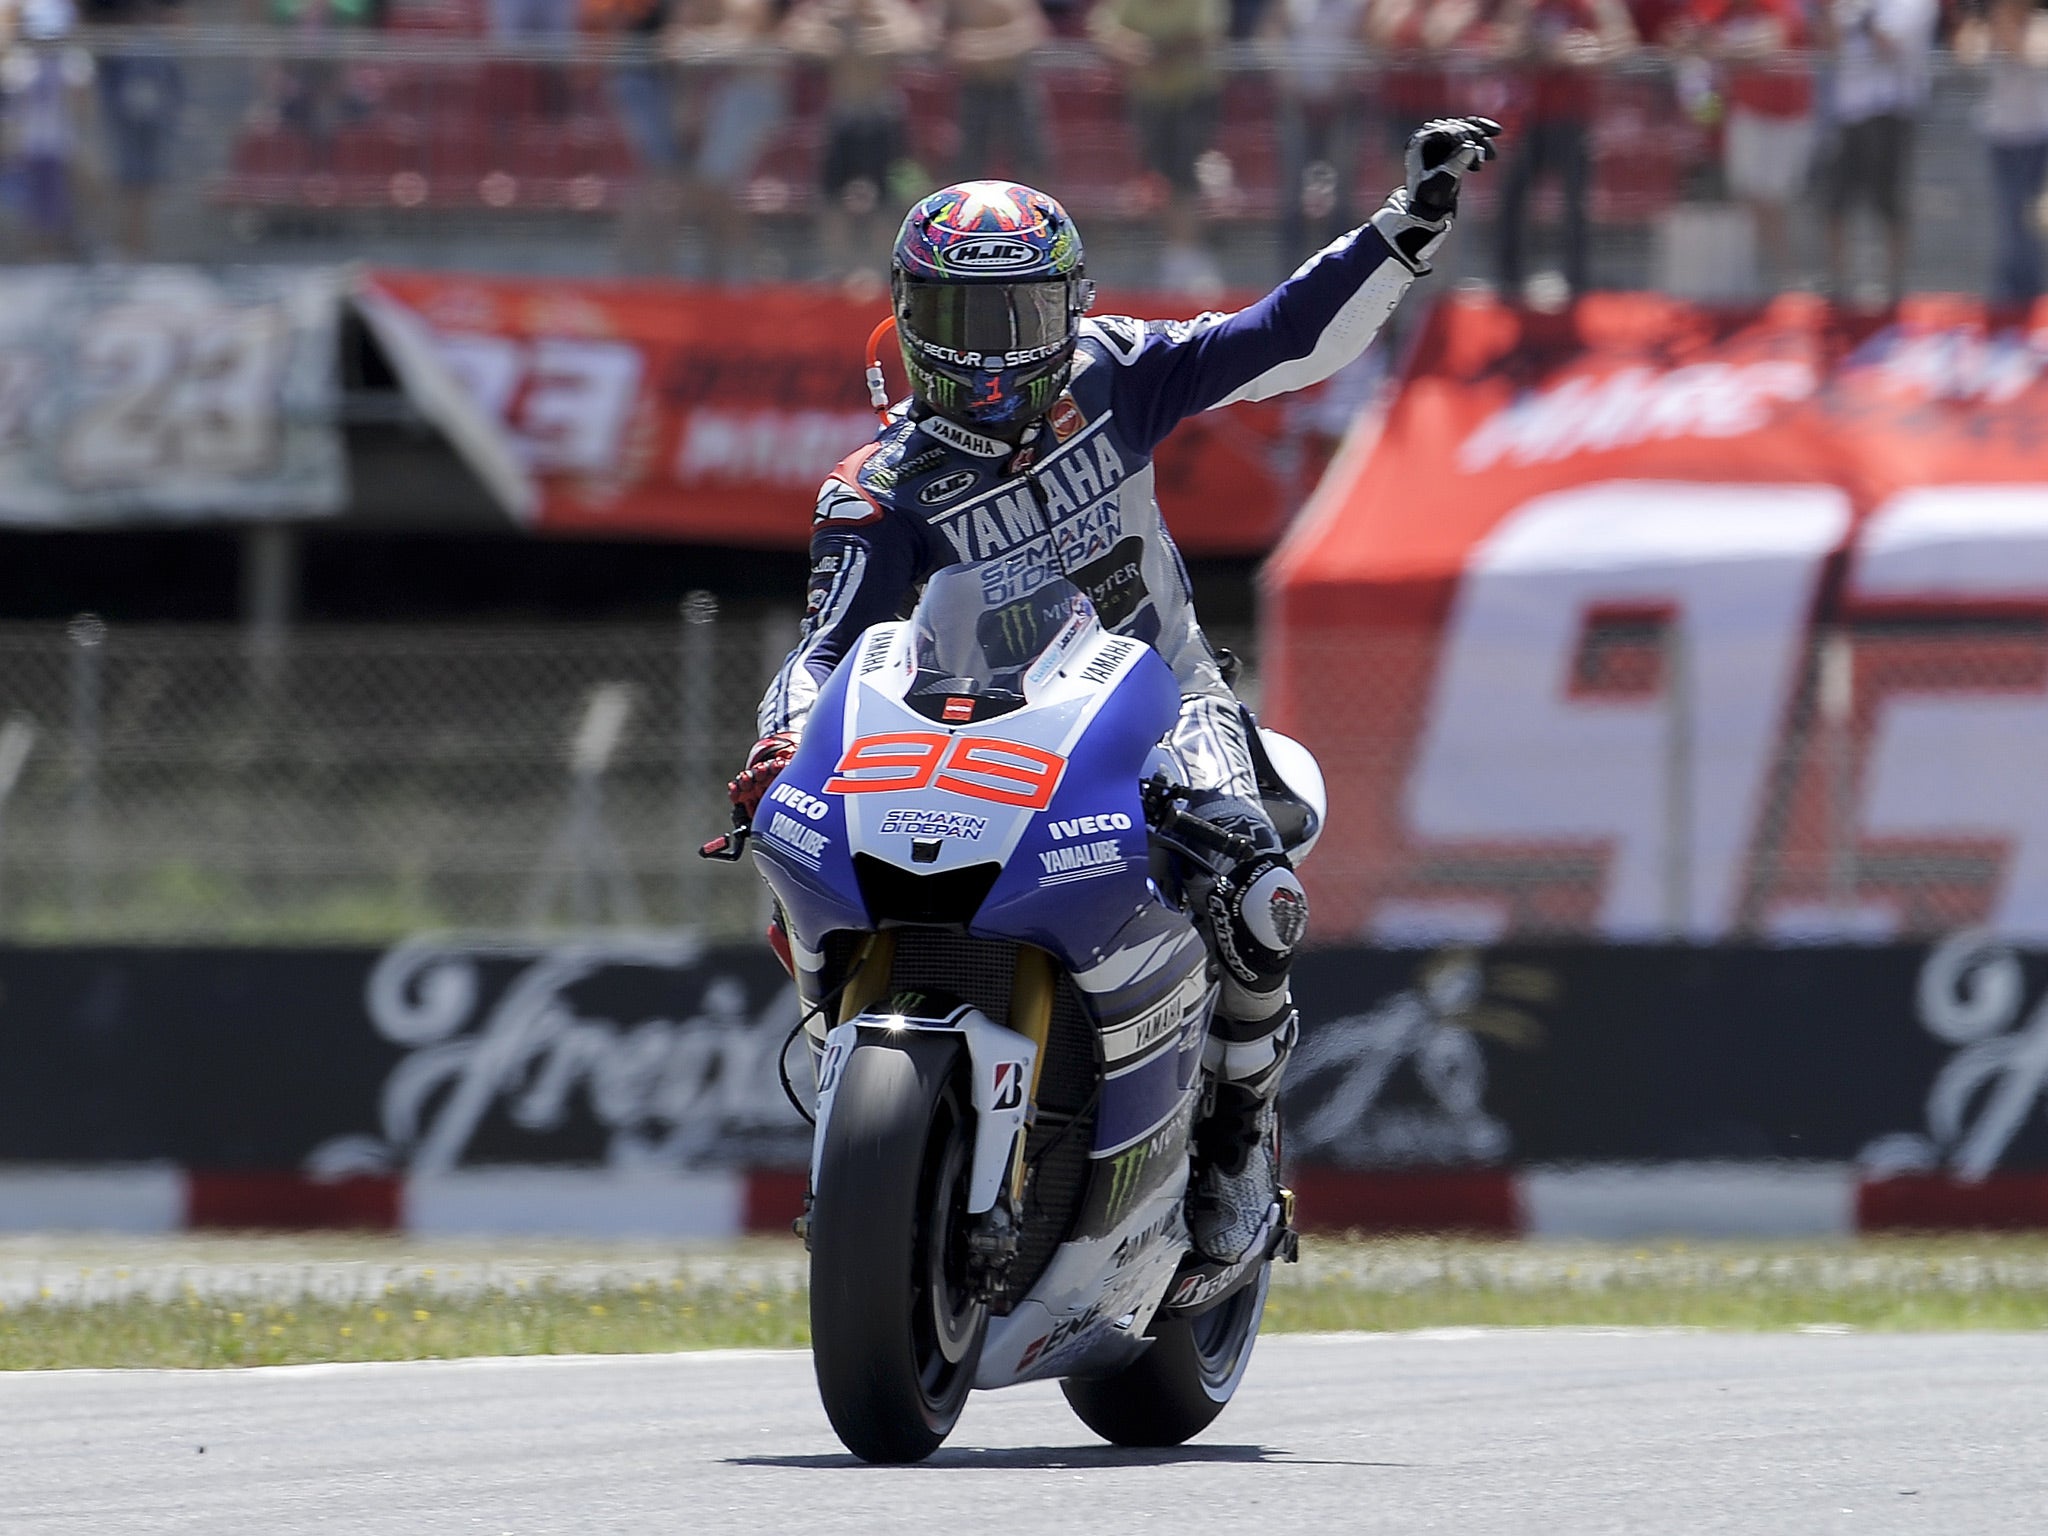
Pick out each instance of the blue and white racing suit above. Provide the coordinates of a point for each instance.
(1075, 498)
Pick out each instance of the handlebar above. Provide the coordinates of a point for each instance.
(1164, 814)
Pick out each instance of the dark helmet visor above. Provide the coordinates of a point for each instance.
(1017, 321)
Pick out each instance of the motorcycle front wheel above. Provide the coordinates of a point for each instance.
(1175, 1389)
(896, 1331)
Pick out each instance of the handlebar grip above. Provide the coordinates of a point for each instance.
(1211, 836)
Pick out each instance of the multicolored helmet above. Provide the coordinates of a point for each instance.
(988, 288)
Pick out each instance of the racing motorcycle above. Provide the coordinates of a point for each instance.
(990, 884)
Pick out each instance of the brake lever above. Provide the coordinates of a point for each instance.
(729, 847)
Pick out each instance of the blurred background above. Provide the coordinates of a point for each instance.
(410, 412)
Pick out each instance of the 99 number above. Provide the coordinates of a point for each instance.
(979, 767)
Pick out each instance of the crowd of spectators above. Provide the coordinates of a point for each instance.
(1804, 113)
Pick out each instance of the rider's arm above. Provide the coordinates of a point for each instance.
(1299, 334)
(864, 563)
(1315, 322)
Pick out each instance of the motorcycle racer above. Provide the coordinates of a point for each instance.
(1025, 449)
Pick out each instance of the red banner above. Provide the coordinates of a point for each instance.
(1642, 619)
(712, 414)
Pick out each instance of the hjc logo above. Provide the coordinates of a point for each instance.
(1972, 994)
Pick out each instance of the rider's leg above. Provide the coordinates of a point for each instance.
(1256, 918)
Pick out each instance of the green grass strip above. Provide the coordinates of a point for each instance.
(1883, 1284)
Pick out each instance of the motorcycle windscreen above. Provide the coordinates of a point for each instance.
(967, 644)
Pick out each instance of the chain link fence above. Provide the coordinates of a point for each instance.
(178, 784)
(1893, 791)
(182, 784)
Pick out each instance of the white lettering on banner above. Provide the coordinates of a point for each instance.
(1342, 1106)
(1962, 363)
(1969, 765)
(1507, 756)
(670, 1091)
(775, 447)
(163, 390)
(1635, 405)
(565, 401)
(1972, 990)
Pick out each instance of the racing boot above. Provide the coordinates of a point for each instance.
(1237, 1175)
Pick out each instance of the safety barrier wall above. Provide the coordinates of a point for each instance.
(627, 1084)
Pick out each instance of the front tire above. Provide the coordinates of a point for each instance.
(1174, 1390)
(896, 1332)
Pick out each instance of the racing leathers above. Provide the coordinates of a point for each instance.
(1074, 498)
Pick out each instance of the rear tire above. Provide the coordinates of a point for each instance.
(896, 1335)
(1174, 1390)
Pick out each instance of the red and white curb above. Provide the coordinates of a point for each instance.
(1691, 1200)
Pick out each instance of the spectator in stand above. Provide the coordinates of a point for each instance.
(1769, 133)
(737, 83)
(46, 82)
(1881, 83)
(989, 43)
(861, 43)
(1559, 46)
(643, 87)
(1419, 40)
(313, 93)
(2011, 41)
(1167, 49)
(512, 20)
(140, 93)
(1322, 99)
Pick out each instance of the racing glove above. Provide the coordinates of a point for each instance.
(765, 763)
(1440, 153)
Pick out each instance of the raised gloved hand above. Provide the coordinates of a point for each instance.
(1440, 153)
(770, 756)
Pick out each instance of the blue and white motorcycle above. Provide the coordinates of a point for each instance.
(985, 870)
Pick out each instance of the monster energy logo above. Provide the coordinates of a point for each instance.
(907, 1002)
(1124, 1173)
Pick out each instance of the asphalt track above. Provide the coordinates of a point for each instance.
(1558, 1432)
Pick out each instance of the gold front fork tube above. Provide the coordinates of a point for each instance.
(1031, 988)
(870, 980)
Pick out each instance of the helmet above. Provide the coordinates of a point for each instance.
(986, 280)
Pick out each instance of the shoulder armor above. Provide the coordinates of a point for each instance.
(843, 500)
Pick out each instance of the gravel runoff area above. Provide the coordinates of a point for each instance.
(65, 1270)
(1448, 1433)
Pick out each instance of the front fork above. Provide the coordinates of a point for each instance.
(992, 1233)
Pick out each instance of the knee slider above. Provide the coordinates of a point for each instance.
(1260, 915)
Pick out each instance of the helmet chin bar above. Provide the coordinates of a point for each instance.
(947, 394)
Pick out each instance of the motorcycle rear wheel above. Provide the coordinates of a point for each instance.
(896, 1334)
(1176, 1388)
